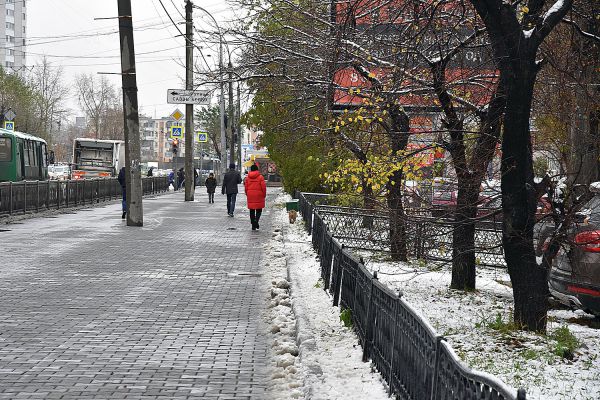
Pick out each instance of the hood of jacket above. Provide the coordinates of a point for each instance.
(253, 174)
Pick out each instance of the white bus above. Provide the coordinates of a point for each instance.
(97, 158)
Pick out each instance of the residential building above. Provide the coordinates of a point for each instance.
(13, 26)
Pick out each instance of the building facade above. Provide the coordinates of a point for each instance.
(13, 39)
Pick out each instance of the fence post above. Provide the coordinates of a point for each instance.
(37, 202)
(48, 194)
(338, 280)
(436, 369)
(10, 198)
(24, 197)
(521, 395)
(393, 344)
(370, 321)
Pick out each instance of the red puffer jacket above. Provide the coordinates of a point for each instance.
(256, 190)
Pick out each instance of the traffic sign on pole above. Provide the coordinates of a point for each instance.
(177, 115)
(9, 125)
(9, 115)
(181, 96)
(202, 137)
(177, 131)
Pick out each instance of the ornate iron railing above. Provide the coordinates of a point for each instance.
(416, 362)
(35, 196)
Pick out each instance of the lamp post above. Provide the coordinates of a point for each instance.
(222, 99)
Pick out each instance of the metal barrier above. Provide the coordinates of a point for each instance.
(428, 238)
(415, 361)
(34, 196)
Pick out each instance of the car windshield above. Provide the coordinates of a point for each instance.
(594, 206)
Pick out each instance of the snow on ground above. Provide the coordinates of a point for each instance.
(314, 356)
(473, 323)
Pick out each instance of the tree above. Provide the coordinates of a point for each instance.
(50, 95)
(17, 96)
(208, 118)
(516, 32)
(103, 109)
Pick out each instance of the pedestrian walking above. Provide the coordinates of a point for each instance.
(180, 178)
(150, 172)
(211, 185)
(256, 192)
(171, 179)
(122, 182)
(231, 180)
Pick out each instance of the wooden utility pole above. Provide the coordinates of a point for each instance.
(135, 211)
(189, 108)
(231, 116)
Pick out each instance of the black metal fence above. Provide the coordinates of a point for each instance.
(34, 196)
(416, 362)
(428, 237)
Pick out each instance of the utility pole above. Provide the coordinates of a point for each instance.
(239, 127)
(231, 116)
(135, 211)
(189, 108)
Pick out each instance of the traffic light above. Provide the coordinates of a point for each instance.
(175, 145)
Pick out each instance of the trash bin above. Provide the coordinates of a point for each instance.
(291, 205)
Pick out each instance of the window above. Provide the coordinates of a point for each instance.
(5, 149)
(10, 52)
(10, 25)
(10, 13)
(10, 39)
(26, 152)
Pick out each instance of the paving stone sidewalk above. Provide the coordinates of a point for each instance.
(93, 309)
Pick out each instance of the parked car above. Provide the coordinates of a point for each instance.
(574, 277)
(58, 171)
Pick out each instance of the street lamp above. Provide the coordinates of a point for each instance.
(222, 99)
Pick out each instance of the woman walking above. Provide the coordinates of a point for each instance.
(256, 192)
(211, 185)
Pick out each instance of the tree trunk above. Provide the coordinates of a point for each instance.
(397, 218)
(530, 287)
(463, 235)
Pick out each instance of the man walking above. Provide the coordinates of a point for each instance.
(122, 182)
(231, 180)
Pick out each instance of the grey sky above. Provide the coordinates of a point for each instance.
(66, 32)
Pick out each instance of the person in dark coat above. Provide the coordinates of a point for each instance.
(150, 172)
(211, 185)
(231, 180)
(122, 182)
(172, 178)
(256, 192)
(180, 178)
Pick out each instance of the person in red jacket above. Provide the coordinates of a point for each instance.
(256, 191)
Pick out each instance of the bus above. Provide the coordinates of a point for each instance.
(97, 158)
(22, 157)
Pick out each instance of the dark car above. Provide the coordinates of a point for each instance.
(574, 277)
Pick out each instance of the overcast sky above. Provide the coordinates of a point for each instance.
(66, 32)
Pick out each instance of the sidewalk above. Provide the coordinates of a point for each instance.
(91, 308)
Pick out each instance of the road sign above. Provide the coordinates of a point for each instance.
(181, 96)
(177, 131)
(9, 125)
(177, 115)
(9, 115)
(202, 137)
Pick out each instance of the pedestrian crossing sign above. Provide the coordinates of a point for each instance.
(202, 137)
(9, 125)
(177, 132)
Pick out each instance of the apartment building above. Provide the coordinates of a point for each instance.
(13, 23)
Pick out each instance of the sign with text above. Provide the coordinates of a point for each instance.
(181, 96)
(177, 132)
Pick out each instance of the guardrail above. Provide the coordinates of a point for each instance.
(35, 196)
(428, 237)
(416, 362)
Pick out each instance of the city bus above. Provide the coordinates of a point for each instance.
(97, 158)
(22, 157)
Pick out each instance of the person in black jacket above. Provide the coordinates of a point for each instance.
(211, 185)
(231, 180)
(122, 182)
(180, 178)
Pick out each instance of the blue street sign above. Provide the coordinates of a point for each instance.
(9, 125)
(202, 137)
(177, 131)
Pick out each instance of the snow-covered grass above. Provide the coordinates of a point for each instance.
(476, 324)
